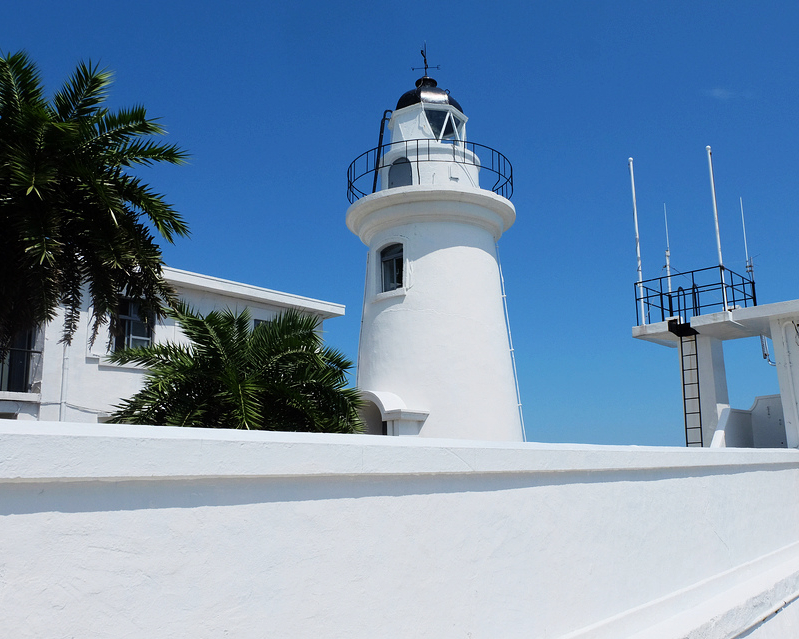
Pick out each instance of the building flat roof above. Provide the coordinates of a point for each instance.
(201, 282)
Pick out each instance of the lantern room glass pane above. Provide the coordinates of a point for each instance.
(436, 119)
(449, 129)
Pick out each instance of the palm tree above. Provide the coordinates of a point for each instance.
(74, 221)
(276, 376)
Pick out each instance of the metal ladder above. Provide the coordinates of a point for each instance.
(692, 405)
(689, 368)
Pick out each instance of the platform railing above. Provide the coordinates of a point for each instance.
(706, 290)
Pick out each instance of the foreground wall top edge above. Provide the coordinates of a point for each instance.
(69, 451)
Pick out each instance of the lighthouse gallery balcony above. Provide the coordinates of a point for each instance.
(402, 163)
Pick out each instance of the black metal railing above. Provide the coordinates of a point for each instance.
(364, 172)
(712, 289)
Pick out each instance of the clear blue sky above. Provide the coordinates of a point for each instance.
(274, 100)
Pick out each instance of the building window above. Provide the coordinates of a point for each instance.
(400, 174)
(17, 367)
(132, 331)
(391, 264)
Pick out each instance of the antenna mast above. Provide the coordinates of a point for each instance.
(750, 271)
(716, 218)
(637, 244)
(749, 266)
(668, 252)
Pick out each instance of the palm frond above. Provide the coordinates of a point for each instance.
(277, 376)
(83, 93)
(70, 216)
(20, 84)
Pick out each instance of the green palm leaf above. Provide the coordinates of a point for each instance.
(74, 222)
(278, 376)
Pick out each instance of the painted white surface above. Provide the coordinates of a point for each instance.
(785, 338)
(712, 383)
(762, 426)
(440, 342)
(77, 382)
(129, 531)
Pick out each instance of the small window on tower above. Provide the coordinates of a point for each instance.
(400, 173)
(391, 264)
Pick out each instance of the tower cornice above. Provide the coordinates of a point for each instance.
(409, 204)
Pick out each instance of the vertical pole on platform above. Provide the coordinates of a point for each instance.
(716, 219)
(668, 251)
(749, 266)
(637, 244)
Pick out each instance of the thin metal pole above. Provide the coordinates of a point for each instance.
(716, 219)
(749, 265)
(510, 344)
(668, 252)
(380, 149)
(637, 243)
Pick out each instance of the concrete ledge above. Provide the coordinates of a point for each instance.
(68, 451)
(657, 333)
(31, 398)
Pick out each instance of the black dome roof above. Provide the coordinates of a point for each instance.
(427, 91)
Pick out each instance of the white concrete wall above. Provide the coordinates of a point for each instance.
(785, 338)
(124, 531)
(762, 426)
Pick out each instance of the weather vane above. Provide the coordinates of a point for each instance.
(424, 57)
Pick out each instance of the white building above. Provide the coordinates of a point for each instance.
(46, 380)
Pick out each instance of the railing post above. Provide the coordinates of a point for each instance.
(723, 287)
(637, 299)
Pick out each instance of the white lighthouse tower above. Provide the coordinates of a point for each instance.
(434, 356)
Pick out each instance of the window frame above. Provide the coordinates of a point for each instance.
(19, 367)
(396, 259)
(128, 317)
(400, 173)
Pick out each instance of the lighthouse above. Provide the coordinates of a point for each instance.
(435, 357)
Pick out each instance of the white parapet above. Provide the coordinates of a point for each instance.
(136, 531)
